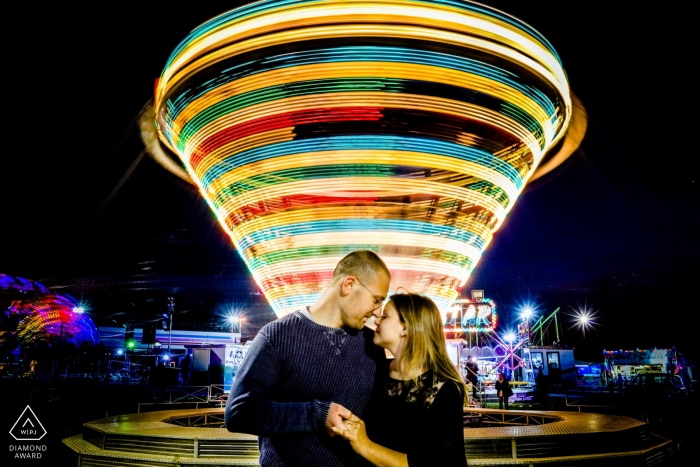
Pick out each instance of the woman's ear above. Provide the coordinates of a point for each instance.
(403, 333)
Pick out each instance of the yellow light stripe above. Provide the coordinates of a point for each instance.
(379, 238)
(246, 143)
(365, 70)
(365, 187)
(555, 79)
(313, 264)
(374, 211)
(389, 157)
(271, 21)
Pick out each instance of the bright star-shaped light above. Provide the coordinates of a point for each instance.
(583, 319)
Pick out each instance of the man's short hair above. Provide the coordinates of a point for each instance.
(362, 264)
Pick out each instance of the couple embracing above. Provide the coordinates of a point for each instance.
(317, 388)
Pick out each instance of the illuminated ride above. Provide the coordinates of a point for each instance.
(53, 317)
(13, 285)
(315, 128)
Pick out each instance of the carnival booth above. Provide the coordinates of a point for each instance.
(590, 375)
(620, 366)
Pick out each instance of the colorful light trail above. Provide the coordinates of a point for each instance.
(315, 128)
(56, 317)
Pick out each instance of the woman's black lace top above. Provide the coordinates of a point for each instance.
(424, 421)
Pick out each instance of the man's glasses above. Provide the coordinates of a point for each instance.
(378, 301)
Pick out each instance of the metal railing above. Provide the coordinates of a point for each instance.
(187, 395)
(207, 420)
(592, 399)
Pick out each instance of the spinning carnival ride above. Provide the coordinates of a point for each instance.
(53, 317)
(316, 128)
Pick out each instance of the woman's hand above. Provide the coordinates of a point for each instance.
(355, 432)
(377, 455)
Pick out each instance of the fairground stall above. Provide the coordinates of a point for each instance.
(620, 366)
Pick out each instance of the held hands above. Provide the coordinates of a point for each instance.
(341, 422)
(354, 430)
(336, 415)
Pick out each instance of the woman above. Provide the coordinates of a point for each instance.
(417, 419)
(504, 391)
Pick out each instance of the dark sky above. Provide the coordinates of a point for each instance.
(614, 230)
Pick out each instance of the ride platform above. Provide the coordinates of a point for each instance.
(197, 437)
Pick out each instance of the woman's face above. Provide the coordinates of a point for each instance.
(389, 328)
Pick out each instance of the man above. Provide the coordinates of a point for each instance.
(472, 375)
(542, 389)
(310, 370)
(185, 366)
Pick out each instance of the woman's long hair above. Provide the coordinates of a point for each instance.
(424, 347)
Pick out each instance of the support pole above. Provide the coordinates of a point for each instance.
(171, 310)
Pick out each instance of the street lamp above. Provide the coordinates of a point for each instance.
(524, 331)
(584, 320)
(232, 320)
(239, 321)
(510, 337)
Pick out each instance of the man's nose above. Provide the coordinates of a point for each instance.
(377, 312)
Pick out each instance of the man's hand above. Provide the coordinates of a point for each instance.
(337, 414)
(354, 431)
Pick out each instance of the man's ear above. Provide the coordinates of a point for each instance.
(347, 285)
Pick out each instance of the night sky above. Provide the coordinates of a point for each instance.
(614, 230)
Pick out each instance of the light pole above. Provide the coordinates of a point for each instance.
(584, 320)
(510, 338)
(171, 310)
(527, 314)
(239, 321)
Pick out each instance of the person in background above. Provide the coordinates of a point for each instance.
(542, 389)
(503, 390)
(307, 371)
(417, 419)
(185, 367)
(472, 375)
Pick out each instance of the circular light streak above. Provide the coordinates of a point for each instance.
(53, 316)
(315, 128)
(19, 285)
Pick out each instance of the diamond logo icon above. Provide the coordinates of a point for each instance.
(28, 427)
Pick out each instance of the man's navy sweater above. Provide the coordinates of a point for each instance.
(292, 372)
